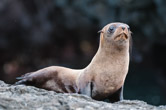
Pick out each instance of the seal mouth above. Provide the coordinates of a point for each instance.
(122, 36)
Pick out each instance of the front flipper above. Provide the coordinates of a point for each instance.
(117, 96)
(87, 90)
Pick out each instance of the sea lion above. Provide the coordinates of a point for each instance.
(102, 79)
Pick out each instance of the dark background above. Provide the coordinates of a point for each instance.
(38, 33)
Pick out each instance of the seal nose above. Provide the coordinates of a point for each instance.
(123, 28)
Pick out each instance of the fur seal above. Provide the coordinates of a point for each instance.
(102, 79)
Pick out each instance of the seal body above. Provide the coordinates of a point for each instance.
(102, 79)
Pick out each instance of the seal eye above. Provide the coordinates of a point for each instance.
(111, 29)
(128, 28)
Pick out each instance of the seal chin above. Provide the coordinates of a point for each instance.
(121, 37)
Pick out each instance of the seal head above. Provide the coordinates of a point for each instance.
(117, 34)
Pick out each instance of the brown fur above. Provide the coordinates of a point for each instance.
(102, 77)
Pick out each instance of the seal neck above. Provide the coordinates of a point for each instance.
(108, 51)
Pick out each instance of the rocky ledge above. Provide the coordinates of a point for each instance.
(31, 98)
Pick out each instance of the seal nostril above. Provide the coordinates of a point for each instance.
(123, 28)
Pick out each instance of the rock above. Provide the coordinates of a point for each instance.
(31, 98)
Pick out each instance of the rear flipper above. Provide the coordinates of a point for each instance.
(23, 80)
(37, 78)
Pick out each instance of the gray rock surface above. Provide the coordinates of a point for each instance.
(31, 98)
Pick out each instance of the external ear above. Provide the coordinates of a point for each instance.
(100, 31)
